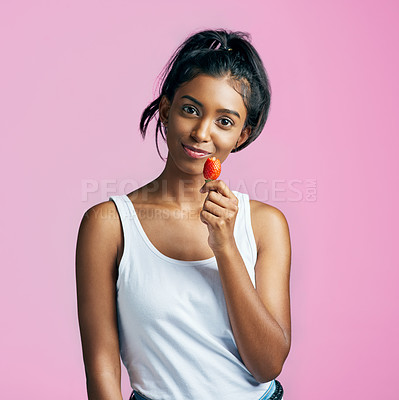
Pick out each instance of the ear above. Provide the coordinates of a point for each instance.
(244, 136)
(164, 107)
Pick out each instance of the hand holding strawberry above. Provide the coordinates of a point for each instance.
(220, 208)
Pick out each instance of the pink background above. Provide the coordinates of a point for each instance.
(75, 77)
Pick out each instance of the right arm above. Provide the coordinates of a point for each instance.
(96, 274)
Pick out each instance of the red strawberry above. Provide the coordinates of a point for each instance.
(212, 169)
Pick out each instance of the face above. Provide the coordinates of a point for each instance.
(205, 119)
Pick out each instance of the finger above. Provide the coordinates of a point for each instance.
(215, 222)
(222, 201)
(208, 218)
(221, 187)
(214, 208)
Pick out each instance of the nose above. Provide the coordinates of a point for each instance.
(201, 132)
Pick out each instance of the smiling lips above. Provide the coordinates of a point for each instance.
(195, 153)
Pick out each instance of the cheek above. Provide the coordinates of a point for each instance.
(181, 125)
(225, 142)
(224, 146)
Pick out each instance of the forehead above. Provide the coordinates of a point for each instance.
(213, 92)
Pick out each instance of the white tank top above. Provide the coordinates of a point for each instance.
(175, 337)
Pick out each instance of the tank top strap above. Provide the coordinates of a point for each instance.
(126, 214)
(125, 211)
(244, 231)
(248, 227)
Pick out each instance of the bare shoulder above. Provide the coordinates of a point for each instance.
(268, 223)
(104, 212)
(101, 225)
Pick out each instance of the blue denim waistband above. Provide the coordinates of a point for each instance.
(265, 396)
(269, 391)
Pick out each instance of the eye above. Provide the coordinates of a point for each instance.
(190, 109)
(226, 122)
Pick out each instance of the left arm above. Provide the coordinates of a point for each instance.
(260, 317)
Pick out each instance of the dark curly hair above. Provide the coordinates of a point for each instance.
(217, 53)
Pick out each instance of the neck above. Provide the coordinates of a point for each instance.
(179, 188)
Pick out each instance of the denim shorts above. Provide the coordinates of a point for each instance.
(275, 392)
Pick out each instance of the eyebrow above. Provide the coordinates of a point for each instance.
(223, 110)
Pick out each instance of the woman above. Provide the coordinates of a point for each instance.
(189, 281)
